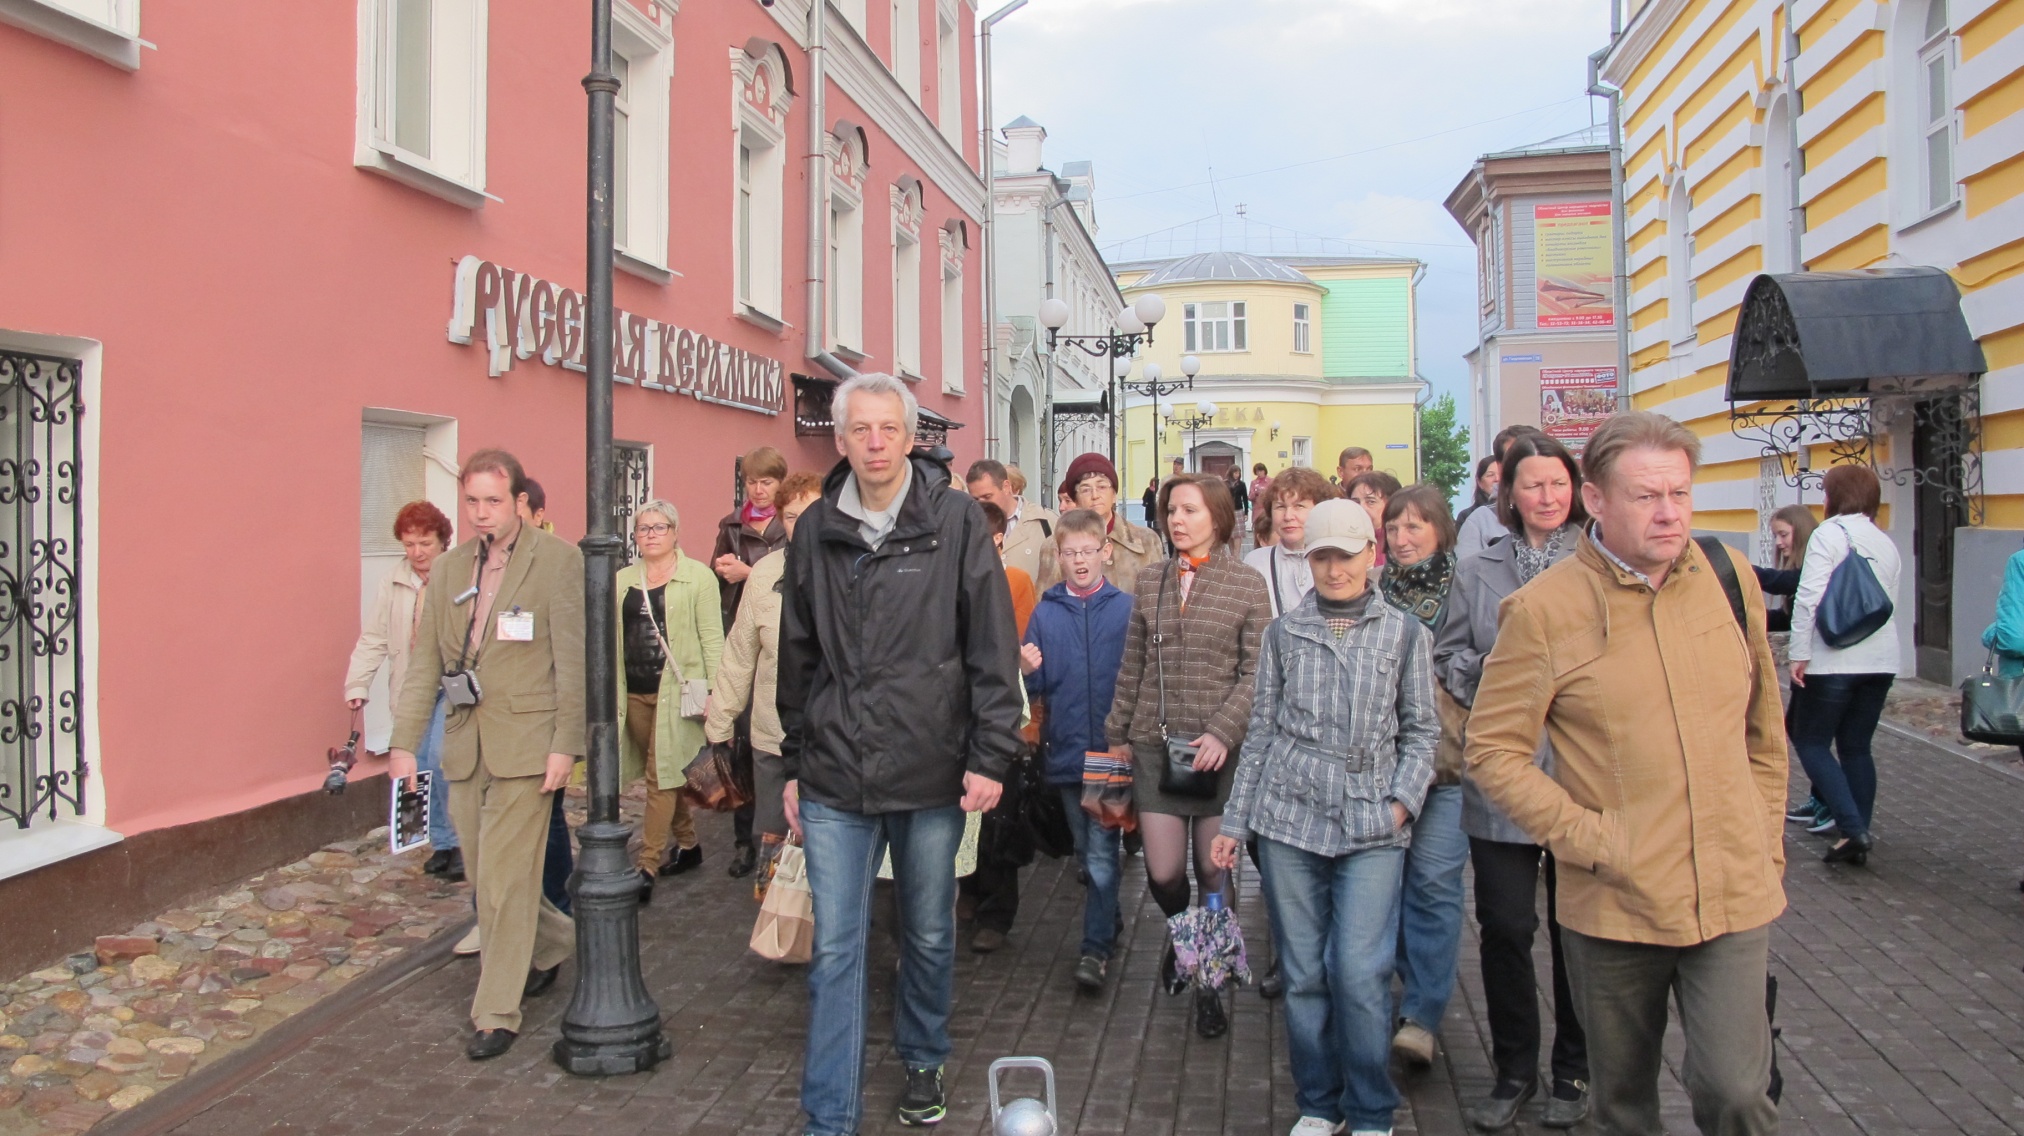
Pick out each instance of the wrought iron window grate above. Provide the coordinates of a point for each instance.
(631, 487)
(1946, 420)
(42, 767)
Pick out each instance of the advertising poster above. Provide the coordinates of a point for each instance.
(1573, 270)
(1573, 401)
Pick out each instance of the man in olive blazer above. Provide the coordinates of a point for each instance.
(518, 627)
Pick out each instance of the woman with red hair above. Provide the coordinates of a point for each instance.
(386, 640)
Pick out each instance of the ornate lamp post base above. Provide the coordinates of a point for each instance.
(612, 1026)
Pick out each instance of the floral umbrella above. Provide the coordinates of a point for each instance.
(1209, 947)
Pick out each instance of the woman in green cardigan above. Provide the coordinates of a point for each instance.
(670, 631)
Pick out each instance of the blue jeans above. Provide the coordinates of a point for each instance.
(844, 850)
(1335, 920)
(1097, 850)
(429, 758)
(1835, 715)
(1430, 908)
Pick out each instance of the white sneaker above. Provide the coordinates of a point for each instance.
(468, 945)
(1315, 1126)
(1371, 1132)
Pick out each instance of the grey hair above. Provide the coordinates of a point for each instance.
(874, 383)
(664, 508)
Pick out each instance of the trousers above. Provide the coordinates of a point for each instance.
(667, 812)
(1507, 898)
(502, 825)
(1621, 990)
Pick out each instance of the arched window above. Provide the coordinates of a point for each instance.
(1936, 107)
(1781, 177)
(1922, 109)
(1679, 264)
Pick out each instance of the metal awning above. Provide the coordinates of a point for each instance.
(1086, 403)
(1814, 335)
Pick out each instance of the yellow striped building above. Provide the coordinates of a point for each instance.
(1773, 136)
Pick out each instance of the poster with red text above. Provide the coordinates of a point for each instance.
(1573, 270)
(1573, 401)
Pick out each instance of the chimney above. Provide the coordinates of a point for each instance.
(1023, 138)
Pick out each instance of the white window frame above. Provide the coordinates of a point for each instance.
(948, 76)
(1936, 124)
(853, 13)
(848, 170)
(1680, 287)
(1781, 153)
(109, 30)
(906, 45)
(1224, 333)
(952, 312)
(454, 166)
(759, 101)
(1303, 329)
(906, 282)
(1303, 453)
(640, 246)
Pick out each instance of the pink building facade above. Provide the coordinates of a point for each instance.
(268, 271)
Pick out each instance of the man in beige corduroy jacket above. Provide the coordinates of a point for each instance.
(506, 606)
(1665, 809)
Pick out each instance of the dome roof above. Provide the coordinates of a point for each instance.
(1220, 266)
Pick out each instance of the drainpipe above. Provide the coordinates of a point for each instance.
(1620, 306)
(817, 322)
(1792, 124)
(988, 157)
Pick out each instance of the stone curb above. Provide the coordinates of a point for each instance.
(1909, 734)
(209, 1084)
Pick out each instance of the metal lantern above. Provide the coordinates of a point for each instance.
(1025, 1116)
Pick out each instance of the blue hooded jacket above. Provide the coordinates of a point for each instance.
(1081, 649)
(2006, 635)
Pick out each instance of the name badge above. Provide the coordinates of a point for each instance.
(516, 626)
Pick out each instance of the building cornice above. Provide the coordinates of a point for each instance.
(860, 74)
(1646, 29)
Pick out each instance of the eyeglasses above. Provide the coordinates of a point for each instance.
(652, 530)
(1081, 553)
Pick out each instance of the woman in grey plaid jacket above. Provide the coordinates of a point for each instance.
(1335, 766)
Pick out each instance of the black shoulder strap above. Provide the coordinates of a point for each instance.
(1725, 571)
(1046, 529)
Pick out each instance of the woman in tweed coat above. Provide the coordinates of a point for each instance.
(1334, 774)
(1205, 612)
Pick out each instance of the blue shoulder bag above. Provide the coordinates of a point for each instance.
(1855, 606)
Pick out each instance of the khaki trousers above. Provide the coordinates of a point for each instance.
(502, 824)
(667, 811)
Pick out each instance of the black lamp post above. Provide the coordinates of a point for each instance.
(1203, 414)
(1134, 326)
(612, 1025)
(1154, 385)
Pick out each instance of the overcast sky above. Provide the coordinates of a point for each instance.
(1383, 103)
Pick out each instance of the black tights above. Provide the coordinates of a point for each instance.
(1166, 856)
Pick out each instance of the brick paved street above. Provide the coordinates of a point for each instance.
(1902, 1008)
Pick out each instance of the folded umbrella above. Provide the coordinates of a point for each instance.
(1208, 945)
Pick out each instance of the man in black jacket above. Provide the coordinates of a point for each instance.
(898, 702)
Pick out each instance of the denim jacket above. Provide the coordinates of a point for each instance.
(1339, 730)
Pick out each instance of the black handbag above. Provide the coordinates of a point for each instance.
(1178, 775)
(1855, 606)
(1992, 708)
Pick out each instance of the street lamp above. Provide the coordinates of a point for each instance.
(1154, 385)
(1204, 413)
(1134, 325)
(612, 1025)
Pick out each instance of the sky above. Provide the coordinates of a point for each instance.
(1191, 108)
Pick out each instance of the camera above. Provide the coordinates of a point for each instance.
(460, 688)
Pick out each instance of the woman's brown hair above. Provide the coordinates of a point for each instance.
(1801, 519)
(1852, 489)
(1215, 496)
(1427, 503)
(1535, 445)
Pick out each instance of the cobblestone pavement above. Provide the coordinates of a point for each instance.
(1902, 1008)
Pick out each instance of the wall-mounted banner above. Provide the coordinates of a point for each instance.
(529, 318)
(1573, 271)
(1573, 401)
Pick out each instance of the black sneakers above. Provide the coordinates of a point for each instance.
(923, 1103)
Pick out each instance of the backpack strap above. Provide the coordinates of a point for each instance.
(1046, 530)
(1725, 571)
